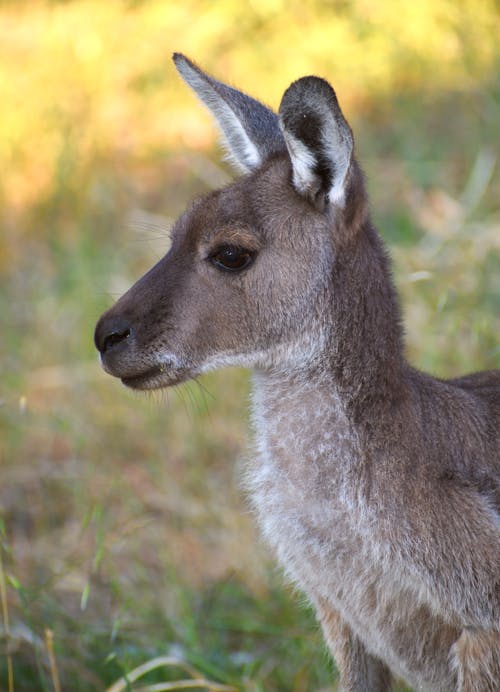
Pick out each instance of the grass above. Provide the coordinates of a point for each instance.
(125, 535)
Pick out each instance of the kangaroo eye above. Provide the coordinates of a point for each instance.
(232, 258)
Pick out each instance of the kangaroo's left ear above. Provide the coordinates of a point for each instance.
(318, 139)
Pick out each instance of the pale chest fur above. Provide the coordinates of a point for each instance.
(308, 488)
(298, 480)
(303, 484)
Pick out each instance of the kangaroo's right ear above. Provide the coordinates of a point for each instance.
(318, 139)
(251, 130)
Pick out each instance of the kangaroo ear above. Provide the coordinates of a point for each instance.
(251, 130)
(318, 139)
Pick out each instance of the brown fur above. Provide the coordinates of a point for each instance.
(476, 656)
(377, 485)
(358, 669)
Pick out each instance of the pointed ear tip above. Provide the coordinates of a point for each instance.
(181, 60)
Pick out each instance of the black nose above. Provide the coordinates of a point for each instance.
(111, 333)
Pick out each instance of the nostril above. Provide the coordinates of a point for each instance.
(114, 338)
(111, 332)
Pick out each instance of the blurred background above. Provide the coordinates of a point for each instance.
(125, 534)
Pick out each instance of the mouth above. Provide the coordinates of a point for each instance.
(155, 378)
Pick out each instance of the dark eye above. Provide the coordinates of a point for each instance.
(232, 258)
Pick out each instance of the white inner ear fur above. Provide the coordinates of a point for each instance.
(337, 148)
(303, 162)
(240, 150)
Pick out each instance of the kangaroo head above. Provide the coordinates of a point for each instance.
(249, 268)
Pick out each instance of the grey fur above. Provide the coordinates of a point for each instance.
(237, 115)
(377, 485)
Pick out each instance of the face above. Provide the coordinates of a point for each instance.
(245, 273)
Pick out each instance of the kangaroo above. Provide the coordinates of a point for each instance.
(378, 486)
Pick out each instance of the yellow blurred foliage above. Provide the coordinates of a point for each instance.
(90, 78)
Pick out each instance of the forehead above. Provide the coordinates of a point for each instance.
(257, 203)
(222, 211)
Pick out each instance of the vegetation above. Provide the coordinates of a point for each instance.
(125, 535)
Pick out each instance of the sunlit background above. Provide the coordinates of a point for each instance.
(125, 534)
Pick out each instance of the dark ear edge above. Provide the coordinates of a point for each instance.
(251, 130)
(318, 138)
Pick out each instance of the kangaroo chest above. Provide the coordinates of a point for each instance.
(303, 483)
(308, 488)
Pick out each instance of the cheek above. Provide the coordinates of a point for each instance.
(278, 291)
(211, 320)
(286, 303)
